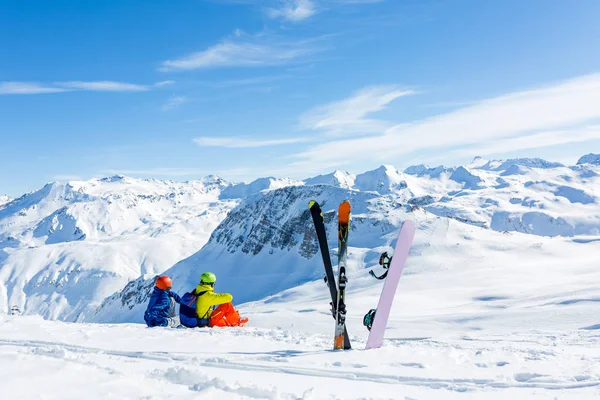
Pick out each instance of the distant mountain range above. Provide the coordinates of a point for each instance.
(68, 250)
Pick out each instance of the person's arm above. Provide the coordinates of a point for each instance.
(175, 296)
(214, 299)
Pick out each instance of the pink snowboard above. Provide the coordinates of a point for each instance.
(405, 239)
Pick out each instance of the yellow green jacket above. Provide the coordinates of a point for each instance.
(209, 299)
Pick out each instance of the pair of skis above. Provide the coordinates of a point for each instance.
(337, 292)
(376, 319)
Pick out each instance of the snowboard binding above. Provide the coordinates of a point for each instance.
(384, 261)
(369, 318)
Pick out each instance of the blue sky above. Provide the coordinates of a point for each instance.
(247, 88)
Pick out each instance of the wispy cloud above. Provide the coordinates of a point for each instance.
(347, 2)
(176, 172)
(174, 102)
(103, 86)
(347, 116)
(449, 104)
(56, 87)
(248, 51)
(27, 88)
(157, 172)
(562, 108)
(67, 178)
(240, 142)
(297, 10)
(164, 83)
(247, 81)
(293, 10)
(537, 140)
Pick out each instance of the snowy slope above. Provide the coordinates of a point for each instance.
(268, 244)
(479, 314)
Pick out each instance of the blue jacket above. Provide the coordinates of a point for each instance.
(159, 306)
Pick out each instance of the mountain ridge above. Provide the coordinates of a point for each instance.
(68, 247)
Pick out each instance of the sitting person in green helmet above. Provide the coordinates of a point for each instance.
(196, 309)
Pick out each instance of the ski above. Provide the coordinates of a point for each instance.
(317, 217)
(376, 320)
(340, 316)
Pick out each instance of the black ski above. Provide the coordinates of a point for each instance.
(317, 216)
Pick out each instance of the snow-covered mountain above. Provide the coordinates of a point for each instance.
(341, 179)
(68, 248)
(267, 244)
(423, 170)
(524, 195)
(503, 165)
(4, 199)
(383, 180)
(241, 190)
(589, 159)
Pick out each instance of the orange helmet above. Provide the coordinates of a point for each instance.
(164, 282)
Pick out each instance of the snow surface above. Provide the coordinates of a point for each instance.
(499, 298)
(479, 314)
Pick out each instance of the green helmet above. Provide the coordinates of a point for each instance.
(208, 277)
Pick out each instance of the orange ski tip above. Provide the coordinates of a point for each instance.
(344, 211)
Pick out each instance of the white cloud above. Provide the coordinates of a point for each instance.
(184, 172)
(542, 139)
(66, 178)
(297, 10)
(245, 50)
(104, 86)
(239, 142)
(561, 108)
(355, 1)
(157, 171)
(97, 86)
(293, 10)
(27, 88)
(164, 83)
(174, 102)
(348, 115)
(246, 81)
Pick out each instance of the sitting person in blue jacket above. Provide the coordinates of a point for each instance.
(161, 307)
